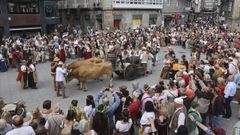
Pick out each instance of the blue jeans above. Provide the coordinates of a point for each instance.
(216, 121)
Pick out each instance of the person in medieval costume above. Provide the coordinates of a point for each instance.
(32, 75)
(62, 54)
(22, 75)
(53, 71)
(179, 116)
(88, 51)
(16, 59)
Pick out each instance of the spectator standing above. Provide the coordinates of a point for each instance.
(110, 109)
(67, 124)
(47, 110)
(4, 127)
(178, 117)
(54, 121)
(123, 126)
(100, 121)
(229, 93)
(193, 129)
(147, 124)
(216, 108)
(19, 128)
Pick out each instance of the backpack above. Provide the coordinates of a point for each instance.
(66, 130)
(69, 130)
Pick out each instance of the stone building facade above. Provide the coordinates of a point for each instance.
(27, 16)
(121, 14)
(230, 13)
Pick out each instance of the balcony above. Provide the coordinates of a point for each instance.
(137, 4)
(72, 4)
(83, 4)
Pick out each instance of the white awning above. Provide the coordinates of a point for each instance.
(27, 28)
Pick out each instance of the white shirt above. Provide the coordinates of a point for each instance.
(206, 69)
(25, 130)
(124, 127)
(160, 97)
(60, 74)
(171, 93)
(233, 69)
(230, 89)
(89, 111)
(32, 67)
(144, 57)
(145, 120)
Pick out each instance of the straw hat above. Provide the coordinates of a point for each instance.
(122, 87)
(56, 59)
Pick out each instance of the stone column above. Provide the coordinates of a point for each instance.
(42, 14)
(236, 9)
(107, 14)
(108, 18)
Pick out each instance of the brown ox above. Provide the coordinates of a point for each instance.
(88, 70)
(76, 64)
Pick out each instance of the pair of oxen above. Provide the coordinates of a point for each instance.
(90, 69)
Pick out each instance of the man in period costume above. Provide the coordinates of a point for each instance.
(60, 73)
(53, 71)
(179, 116)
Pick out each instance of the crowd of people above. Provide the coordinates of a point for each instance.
(197, 96)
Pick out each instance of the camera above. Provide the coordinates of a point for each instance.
(107, 89)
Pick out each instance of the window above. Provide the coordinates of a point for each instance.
(136, 20)
(51, 9)
(230, 7)
(152, 19)
(142, 2)
(167, 2)
(23, 7)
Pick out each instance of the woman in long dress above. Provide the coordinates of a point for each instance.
(32, 76)
(149, 61)
(166, 67)
(88, 51)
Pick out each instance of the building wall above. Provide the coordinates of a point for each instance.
(24, 20)
(231, 11)
(173, 6)
(127, 17)
(39, 20)
(1, 21)
(236, 9)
